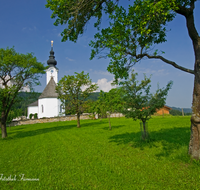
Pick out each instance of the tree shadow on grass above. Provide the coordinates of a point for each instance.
(113, 127)
(93, 122)
(170, 140)
(57, 126)
(22, 134)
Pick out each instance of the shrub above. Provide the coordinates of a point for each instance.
(35, 116)
(30, 116)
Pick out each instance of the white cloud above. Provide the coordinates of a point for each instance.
(104, 85)
(85, 87)
(69, 59)
(25, 89)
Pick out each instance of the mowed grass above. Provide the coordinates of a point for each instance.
(63, 156)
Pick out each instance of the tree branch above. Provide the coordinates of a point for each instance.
(166, 61)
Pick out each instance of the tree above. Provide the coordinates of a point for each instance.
(108, 103)
(16, 72)
(114, 102)
(131, 36)
(175, 112)
(139, 103)
(71, 94)
(101, 106)
(76, 14)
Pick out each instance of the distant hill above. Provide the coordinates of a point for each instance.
(185, 110)
(93, 96)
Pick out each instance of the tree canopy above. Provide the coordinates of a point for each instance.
(139, 103)
(71, 94)
(109, 102)
(17, 71)
(132, 35)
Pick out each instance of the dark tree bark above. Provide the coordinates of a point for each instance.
(109, 122)
(78, 120)
(194, 144)
(145, 134)
(3, 125)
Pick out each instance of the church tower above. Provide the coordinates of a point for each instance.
(52, 71)
(48, 103)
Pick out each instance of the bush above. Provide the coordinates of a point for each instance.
(30, 116)
(35, 116)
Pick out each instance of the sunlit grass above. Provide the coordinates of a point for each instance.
(63, 156)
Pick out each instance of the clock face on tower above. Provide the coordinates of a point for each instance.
(51, 71)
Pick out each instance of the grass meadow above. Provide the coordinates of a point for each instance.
(61, 156)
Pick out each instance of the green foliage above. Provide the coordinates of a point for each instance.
(93, 96)
(139, 103)
(132, 33)
(30, 116)
(71, 94)
(114, 100)
(16, 71)
(175, 112)
(101, 106)
(35, 116)
(24, 99)
(108, 103)
(14, 113)
(76, 14)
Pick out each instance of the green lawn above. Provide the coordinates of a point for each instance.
(63, 156)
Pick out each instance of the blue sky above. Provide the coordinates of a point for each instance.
(27, 26)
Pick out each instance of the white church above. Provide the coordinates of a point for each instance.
(48, 104)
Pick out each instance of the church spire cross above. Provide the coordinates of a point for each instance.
(52, 45)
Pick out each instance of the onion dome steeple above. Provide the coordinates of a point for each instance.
(52, 61)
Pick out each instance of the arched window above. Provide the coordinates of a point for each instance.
(60, 109)
(42, 108)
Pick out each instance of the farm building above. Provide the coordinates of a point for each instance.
(163, 110)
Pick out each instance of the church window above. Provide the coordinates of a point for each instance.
(42, 108)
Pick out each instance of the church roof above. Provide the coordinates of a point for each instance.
(50, 90)
(33, 104)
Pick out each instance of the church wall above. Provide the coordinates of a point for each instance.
(33, 110)
(48, 107)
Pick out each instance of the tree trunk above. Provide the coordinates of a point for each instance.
(182, 112)
(109, 122)
(144, 132)
(194, 144)
(3, 130)
(78, 120)
(3, 125)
